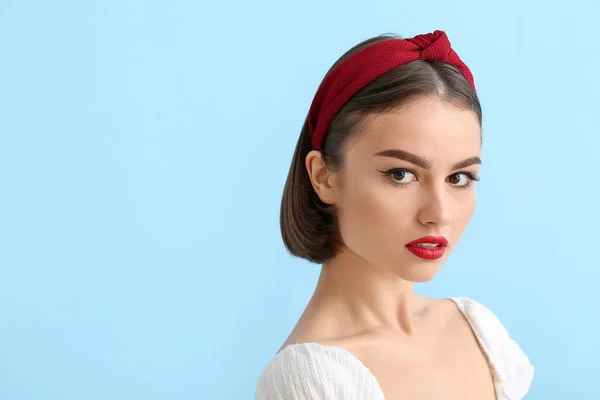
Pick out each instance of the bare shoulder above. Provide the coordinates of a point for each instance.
(350, 343)
(451, 321)
(326, 330)
(445, 309)
(447, 314)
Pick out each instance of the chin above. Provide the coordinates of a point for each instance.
(419, 272)
(420, 279)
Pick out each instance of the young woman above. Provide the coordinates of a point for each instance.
(380, 189)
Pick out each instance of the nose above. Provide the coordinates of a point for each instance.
(435, 210)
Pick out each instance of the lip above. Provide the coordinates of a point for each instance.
(428, 253)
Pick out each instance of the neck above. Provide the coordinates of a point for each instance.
(363, 296)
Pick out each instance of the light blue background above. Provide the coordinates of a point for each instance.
(144, 147)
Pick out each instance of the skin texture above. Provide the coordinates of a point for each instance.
(417, 347)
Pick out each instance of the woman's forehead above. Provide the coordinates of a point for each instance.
(430, 128)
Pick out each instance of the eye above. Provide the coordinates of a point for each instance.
(462, 179)
(401, 175)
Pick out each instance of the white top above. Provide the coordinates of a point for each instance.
(311, 371)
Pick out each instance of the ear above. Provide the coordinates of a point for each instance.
(323, 181)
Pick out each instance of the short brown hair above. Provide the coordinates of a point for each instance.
(309, 226)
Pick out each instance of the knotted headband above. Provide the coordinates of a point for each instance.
(368, 64)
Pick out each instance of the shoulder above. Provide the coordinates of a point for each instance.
(512, 370)
(313, 371)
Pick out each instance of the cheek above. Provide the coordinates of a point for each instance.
(464, 209)
(371, 211)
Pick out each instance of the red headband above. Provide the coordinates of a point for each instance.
(368, 64)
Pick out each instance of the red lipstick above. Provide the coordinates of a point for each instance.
(428, 247)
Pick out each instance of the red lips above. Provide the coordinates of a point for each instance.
(428, 247)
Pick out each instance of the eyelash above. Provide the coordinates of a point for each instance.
(472, 178)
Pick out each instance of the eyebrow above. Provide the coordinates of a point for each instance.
(423, 162)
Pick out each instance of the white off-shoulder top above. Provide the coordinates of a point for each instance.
(311, 371)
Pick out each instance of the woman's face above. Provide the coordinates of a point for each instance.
(410, 174)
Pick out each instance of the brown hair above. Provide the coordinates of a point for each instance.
(309, 226)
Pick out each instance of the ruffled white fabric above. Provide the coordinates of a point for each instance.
(510, 366)
(311, 371)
